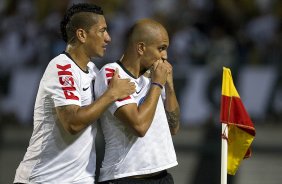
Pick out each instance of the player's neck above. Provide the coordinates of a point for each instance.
(132, 65)
(78, 56)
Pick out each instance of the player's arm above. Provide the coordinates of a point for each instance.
(171, 104)
(139, 118)
(75, 118)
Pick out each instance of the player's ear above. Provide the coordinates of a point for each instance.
(81, 35)
(141, 48)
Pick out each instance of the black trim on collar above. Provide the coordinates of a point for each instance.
(69, 56)
(128, 72)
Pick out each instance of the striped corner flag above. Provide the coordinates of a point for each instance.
(241, 131)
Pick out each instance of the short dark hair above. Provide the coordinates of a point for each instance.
(77, 17)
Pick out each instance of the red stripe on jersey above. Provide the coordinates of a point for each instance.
(126, 98)
(109, 75)
(110, 70)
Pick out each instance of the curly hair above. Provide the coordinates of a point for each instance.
(77, 16)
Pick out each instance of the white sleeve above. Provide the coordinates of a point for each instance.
(101, 85)
(62, 83)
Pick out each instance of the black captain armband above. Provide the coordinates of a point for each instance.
(157, 84)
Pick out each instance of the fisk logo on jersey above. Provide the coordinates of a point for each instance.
(109, 74)
(66, 80)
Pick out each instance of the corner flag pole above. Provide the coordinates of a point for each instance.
(224, 148)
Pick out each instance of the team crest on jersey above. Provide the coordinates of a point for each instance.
(67, 82)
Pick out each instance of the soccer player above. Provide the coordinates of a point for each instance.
(61, 148)
(138, 128)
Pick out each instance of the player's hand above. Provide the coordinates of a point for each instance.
(169, 80)
(121, 88)
(160, 72)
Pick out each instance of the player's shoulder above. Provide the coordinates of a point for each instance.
(109, 69)
(61, 60)
(92, 68)
(111, 66)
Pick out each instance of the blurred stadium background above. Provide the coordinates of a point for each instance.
(205, 35)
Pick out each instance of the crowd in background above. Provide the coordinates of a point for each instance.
(203, 33)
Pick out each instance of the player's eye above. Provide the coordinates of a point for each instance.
(103, 30)
(162, 48)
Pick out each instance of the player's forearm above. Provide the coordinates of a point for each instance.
(75, 118)
(141, 119)
(172, 109)
(148, 108)
(93, 111)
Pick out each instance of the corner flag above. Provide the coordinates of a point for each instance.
(241, 131)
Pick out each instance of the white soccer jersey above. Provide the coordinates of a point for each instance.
(53, 155)
(125, 153)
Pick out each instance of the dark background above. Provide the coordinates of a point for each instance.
(205, 35)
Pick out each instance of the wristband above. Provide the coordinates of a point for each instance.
(157, 84)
